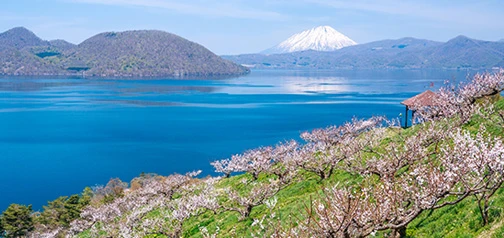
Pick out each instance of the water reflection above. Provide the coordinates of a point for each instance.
(143, 103)
(258, 83)
(301, 85)
(139, 88)
(336, 82)
(23, 85)
(244, 91)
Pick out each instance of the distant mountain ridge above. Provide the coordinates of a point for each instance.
(62, 44)
(322, 38)
(404, 53)
(137, 54)
(19, 38)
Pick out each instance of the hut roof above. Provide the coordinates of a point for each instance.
(427, 98)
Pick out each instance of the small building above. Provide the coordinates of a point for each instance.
(425, 99)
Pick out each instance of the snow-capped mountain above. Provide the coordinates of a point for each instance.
(322, 38)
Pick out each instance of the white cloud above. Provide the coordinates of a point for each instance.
(198, 7)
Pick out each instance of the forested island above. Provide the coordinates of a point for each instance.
(130, 54)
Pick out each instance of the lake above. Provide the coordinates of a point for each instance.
(58, 136)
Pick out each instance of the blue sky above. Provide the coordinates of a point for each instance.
(249, 26)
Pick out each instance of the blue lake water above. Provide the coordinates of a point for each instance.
(58, 136)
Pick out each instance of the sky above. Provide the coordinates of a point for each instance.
(250, 26)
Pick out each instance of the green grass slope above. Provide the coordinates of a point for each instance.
(460, 220)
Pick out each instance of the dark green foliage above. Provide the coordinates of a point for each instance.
(60, 212)
(17, 221)
(47, 54)
(110, 34)
(63, 210)
(1, 226)
(86, 196)
(76, 68)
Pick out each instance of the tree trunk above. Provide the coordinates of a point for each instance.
(330, 172)
(248, 210)
(399, 232)
(485, 212)
(482, 205)
(322, 175)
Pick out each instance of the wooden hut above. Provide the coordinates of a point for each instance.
(427, 98)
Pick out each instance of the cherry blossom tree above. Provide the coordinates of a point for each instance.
(283, 168)
(156, 193)
(194, 200)
(326, 148)
(459, 100)
(429, 171)
(243, 202)
(477, 164)
(228, 166)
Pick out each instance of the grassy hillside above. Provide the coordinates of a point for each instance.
(293, 202)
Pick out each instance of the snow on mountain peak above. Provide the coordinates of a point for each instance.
(322, 38)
